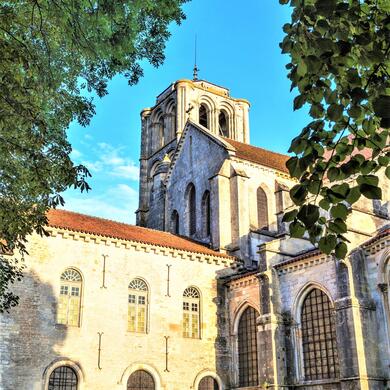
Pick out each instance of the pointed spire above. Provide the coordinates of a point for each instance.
(196, 69)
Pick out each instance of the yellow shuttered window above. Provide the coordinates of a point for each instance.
(137, 306)
(191, 313)
(69, 301)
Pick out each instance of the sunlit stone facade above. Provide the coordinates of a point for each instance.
(215, 295)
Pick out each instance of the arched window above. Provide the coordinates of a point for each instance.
(175, 222)
(262, 209)
(203, 118)
(191, 207)
(208, 383)
(63, 378)
(68, 312)
(191, 313)
(137, 306)
(320, 359)
(140, 380)
(206, 213)
(160, 132)
(223, 124)
(247, 348)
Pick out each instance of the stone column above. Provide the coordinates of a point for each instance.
(220, 211)
(270, 328)
(141, 213)
(355, 327)
(241, 201)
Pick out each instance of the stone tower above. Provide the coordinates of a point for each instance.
(162, 125)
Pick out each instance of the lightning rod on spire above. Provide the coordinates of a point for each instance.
(196, 69)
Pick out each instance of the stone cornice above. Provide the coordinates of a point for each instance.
(244, 281)
(376, 244)
(140, 246)
(305, 262)
(262, 167)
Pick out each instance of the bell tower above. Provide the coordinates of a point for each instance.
(200, 101)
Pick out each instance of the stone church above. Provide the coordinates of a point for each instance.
(208, 291)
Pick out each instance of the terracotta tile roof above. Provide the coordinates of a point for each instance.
(259, 155)
(70, 220)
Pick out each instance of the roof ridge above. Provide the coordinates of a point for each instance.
(78, 222)
(257, 147)
(114, 221)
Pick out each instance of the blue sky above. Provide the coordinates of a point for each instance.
(238, 48)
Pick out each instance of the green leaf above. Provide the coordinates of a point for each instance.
(339, 211)
(299, 101)
(353, 195)
(338, 226)
(327, 243)
(324, 204)
(309, 214)
(289, 216)
(325, 7)
(341, 250)
(368, 179)
(370, 191)
(387, 172)
(294, 167)
(335, 112)
(298, 194)
(297, 229)
(382, 106)
(302, 68)
(333, 174)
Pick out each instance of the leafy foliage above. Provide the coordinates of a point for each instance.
(53, 54)
(340, 65)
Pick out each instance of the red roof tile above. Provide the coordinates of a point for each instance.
(259, 155)
(104, 227)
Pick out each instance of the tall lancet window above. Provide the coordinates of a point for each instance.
(223, 124)
(247, 349)
(320, 359)
(206, 213)
(262, 209)
(191, 207)
(175, 222)
(203, 118)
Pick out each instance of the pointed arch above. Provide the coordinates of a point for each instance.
(191, 209)
(262, 209)
(316, 338)
(206, 213)
(175, 229)
(247, 348)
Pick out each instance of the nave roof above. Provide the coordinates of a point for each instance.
(69, 220)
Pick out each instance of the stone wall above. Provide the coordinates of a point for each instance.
(32, 342)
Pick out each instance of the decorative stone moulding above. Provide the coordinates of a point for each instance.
(141, 247)
(243, 282)
(261, 167)
(302, 264)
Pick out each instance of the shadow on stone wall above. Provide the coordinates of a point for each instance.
(29, 335)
